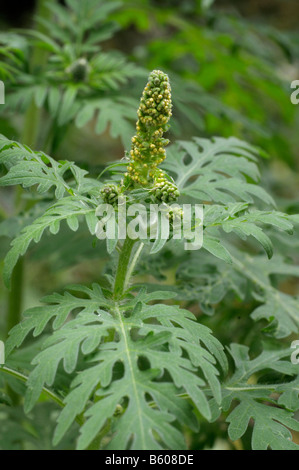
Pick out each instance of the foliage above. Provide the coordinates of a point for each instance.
(144, 344)
(140, 369)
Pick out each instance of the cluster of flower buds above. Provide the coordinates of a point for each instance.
(148, 144)
(110, 193)
(175, 215)
(79, 70)
(164, 190)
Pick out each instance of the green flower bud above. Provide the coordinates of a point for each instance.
(79, 70)
(164, 190)
(110, 193)
(175, 215)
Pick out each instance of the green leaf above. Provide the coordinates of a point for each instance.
(31, 168)
(271, 424)
(119, 113)
(68, 209)
(168, 338)
(230, 219)
(67, 110)
(213, 245)
(40, 95)
(54, 100)
(280, 308)
(216, 170)
(276, 306)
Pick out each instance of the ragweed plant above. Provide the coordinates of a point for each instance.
(130, 367)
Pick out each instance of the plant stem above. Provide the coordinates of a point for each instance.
(122, 268)
(45, 391)
(31, 125)
(15, 296)
(132, 265)
(24, 378)
(125, 268)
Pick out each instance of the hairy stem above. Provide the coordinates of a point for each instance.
(122, 268)
(132, 265)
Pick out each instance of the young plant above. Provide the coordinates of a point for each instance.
(125, 362)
